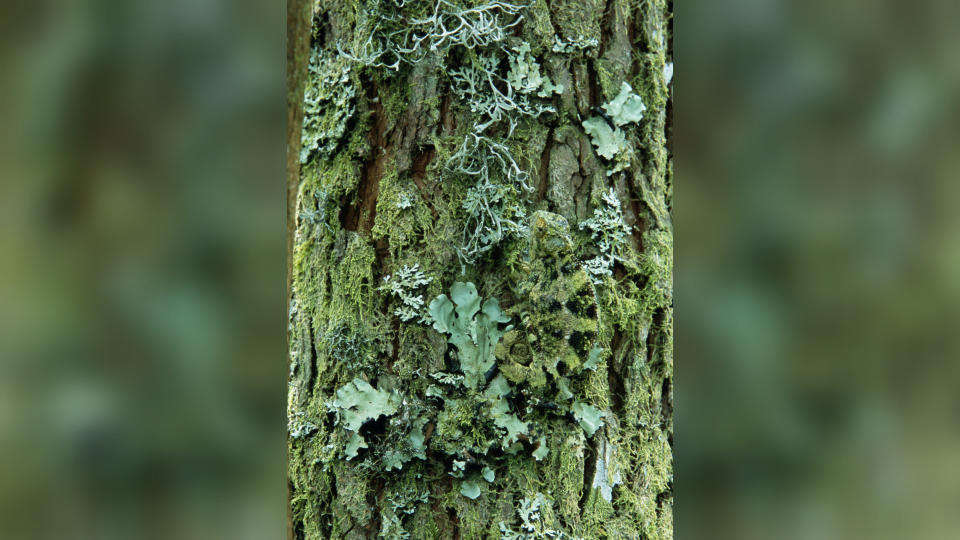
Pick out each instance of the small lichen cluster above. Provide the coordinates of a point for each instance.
(298, 427)
(351, 346)
(403, 285)
(611, 234)
(328, 103)
(357, 402)
(579, 43)
(524, 75)
(403, 503)
(533, 525)
(606, 133)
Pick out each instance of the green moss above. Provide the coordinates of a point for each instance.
(350, 507)
(402, 214)
(567, 464)
(351, 278)
(578, 19)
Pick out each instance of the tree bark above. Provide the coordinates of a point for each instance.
(379, 192)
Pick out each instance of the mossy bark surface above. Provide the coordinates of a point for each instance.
(377, 194)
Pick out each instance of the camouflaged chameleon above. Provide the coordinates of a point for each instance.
(557, 310)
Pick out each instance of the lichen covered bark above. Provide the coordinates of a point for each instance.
(388, 183)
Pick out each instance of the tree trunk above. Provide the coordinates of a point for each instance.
(448, 146)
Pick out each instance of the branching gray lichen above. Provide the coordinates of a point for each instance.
(388, 39)
(402, 285)
(493, 203)
(487, 160)
(479, 83)
(611, 233)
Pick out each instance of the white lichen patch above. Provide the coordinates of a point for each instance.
(328, 102)
(572, 45)
(403, 285)
(533, 525)
(607, 474)
(610, 232)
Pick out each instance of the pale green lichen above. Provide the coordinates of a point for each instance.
(542, 450)
(590, 418)
(606, 133)
(470, 489)
(358, 402)
(626, 108)
(472, 329)
(608, 140)
(524, 75)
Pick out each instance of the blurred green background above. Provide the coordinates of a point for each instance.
(817, 269)
(142, 318)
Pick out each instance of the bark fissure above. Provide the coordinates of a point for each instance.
(359, 215)
(312, 376)
(636, 202)
(614, 376)
(589, 471)
(545, 166)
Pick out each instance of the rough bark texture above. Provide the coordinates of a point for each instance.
(381, 192)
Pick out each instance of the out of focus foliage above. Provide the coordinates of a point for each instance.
(142, 364)
(818, 256)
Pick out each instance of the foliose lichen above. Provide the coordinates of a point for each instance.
(606, 133)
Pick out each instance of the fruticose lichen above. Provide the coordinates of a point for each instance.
(493, 204)
(388, 39)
